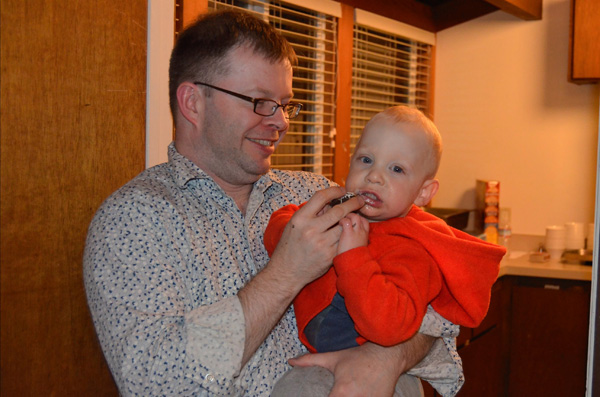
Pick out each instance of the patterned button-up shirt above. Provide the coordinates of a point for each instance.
(165, 257)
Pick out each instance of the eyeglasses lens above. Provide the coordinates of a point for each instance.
(268, 108)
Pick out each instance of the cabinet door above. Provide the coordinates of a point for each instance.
(483, 366)
(485, 354)
(584, 64)
(549, 339)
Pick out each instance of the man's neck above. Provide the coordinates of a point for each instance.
(239, 193)
(238, 190)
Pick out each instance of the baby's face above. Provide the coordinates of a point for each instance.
(388, 168)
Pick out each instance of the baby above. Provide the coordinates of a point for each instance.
(393, 258)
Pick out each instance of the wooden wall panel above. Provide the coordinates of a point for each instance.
(192, 9)
(344, 95)
(72, 131)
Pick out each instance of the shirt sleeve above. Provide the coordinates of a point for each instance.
(277, 223)
(155, 339)
(442, 367)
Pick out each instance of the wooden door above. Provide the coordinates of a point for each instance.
(72, 131)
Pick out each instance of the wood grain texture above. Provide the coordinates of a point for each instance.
(525, 9)
(343, 108)
(73, 128)
(585, 41)
(549, 331)
(192, 9)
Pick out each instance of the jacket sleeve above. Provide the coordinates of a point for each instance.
(387, 299)
(469, 266)
(279, 219)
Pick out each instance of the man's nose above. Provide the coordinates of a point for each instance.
(279, 120)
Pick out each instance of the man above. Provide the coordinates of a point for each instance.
(184, 297)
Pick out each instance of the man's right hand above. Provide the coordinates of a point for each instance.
(304, 252)
(309, 241)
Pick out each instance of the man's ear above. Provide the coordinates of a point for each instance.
(190, 102)
(428, 190)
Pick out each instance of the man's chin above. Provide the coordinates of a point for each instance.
(262, 167)
(257, 171)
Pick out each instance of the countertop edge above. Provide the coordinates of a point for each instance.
(552, 269)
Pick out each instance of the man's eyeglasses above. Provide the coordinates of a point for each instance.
(262, 106)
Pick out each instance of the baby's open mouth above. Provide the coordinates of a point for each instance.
(370, 198)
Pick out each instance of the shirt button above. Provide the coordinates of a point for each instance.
(209, 378)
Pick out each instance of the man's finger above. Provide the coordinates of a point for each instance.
(311, 360)
(321, 198)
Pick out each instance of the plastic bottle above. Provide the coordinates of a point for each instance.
(504, 229)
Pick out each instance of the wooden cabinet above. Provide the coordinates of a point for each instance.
(485, 349)
(584, 43)
(533, 342)
(548, 339)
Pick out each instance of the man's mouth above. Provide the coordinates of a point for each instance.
(262, 142)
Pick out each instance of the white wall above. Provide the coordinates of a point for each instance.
(506, 111)
(159, 123)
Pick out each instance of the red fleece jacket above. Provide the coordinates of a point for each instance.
(409, 263)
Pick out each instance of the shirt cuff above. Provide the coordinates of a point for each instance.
(215, 343)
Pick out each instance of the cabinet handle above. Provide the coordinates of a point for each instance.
(551, 286)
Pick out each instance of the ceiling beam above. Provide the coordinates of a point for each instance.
(453, 12)
(525, 9)
(411, 12)
(436, 15)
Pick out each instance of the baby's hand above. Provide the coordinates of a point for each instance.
(355, 232)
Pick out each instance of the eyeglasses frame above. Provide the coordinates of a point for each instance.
(255, 101)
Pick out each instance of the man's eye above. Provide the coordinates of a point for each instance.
(397, 169)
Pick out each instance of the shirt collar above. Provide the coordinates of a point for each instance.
(183, 170)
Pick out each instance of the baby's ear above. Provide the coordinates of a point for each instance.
(428, 190)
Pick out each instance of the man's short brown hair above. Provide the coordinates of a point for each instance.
(201, 50)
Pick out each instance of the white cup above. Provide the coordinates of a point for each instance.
(557, 231)
(575, 235)
(575, 229)
(555, 254)
(555, 238)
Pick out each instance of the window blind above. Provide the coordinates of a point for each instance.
(388, 69)
(308, 144)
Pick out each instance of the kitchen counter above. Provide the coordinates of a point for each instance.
(516, 262)
(537, 312)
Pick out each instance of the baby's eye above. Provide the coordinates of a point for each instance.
(397, 169)
(366, 160)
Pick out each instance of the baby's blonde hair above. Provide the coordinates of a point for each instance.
(410, 115)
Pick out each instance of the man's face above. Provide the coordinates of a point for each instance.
(236, 143)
